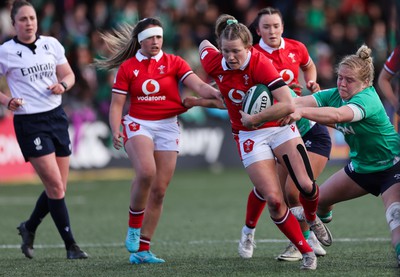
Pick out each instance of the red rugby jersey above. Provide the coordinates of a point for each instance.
(392, 64)
(233, 84)
(152, 85)
(287, 59)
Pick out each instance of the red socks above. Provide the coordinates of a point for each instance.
(310, 205)
(291, 228)
(144, 244)
(135, 218)
(255, 206)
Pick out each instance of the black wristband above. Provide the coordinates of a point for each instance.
(9, 103)
(64, 84)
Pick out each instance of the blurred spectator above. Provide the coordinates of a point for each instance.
(104, 79)
(378, 43)
(336, 36)
(48, 16)
(100, 16)
(6, 28)
(358, 17)
(77, 24)
(325, 66)
(352, 38)
(80, 99)
(130, 13)
(315, 19)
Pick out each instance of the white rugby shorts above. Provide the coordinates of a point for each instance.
(165, 133)
(257, 145)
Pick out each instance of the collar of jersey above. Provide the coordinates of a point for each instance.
(268, 48)
(140, 57)
(243, 67)
(31, 46)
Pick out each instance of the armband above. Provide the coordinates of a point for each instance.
(358, 113)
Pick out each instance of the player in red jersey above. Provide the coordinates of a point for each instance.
(235, 68)
(389, 70)
(150, 130)
(287, 56)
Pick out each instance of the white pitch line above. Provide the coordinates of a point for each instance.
(30, 200)
(112, 244)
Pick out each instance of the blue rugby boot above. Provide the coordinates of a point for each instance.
(132, 239)
(144, 257)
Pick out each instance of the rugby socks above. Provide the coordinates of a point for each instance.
(397, 250)
(59, 213)
(144, 244)
(135, 218)
(310, 205)
(247, 230)
(306, 234)
(39, 212)
(326, 218)
(289, 225)
(255, 206)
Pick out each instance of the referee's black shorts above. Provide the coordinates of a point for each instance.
(43, 133)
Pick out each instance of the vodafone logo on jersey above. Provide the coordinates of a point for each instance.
(287, 75)
(150, 87)
(236, 96)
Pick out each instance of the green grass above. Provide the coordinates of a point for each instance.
(197, 235)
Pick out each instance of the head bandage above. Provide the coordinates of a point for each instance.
(150, 32)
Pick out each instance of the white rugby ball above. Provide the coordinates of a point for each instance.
(257, 98)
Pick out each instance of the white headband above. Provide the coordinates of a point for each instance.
(150, 32)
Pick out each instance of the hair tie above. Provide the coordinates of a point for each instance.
(9, 103)
(231, 21)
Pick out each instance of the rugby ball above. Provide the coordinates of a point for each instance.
(257, 98)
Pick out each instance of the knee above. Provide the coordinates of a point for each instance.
(158, 194)
(145, 176)
(310, 192)
(55, 192)
(274, 204)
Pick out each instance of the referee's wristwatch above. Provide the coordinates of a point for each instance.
(65, 86)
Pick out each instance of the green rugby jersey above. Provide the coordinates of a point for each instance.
(303, 124)
(374, 143)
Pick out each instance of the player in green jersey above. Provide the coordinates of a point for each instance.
(354, 108)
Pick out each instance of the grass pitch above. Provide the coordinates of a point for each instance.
(197, 236)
